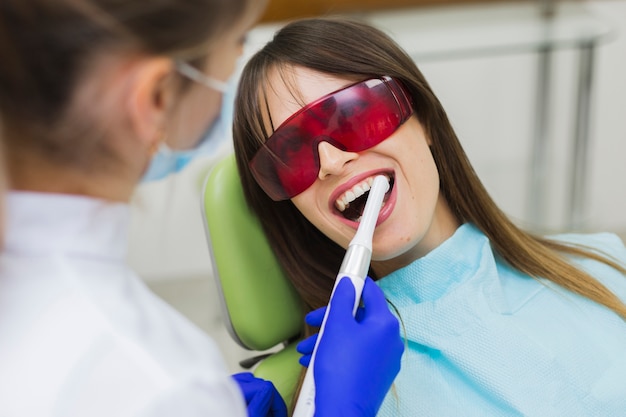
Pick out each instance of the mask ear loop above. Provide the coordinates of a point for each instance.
(198, 76)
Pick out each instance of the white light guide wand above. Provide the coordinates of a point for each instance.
(355, 265)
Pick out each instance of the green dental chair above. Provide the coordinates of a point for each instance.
(260, 307)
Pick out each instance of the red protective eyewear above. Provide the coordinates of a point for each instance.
(353, 119)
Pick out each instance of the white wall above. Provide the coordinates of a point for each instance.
(608, 176)
(490, 102)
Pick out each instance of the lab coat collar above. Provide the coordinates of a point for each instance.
(42, 224)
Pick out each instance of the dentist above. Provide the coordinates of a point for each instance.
(90, 90)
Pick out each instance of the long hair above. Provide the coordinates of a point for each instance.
(358, 51)
(47, 45)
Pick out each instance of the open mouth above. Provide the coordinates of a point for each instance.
(351, 204)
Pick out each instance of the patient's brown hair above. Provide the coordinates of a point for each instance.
(358, 51)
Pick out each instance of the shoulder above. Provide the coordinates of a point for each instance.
(605, 244)
(69, 349)
(88, 368)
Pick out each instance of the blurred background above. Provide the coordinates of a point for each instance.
(535, 90)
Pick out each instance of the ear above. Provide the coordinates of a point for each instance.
(150, 97)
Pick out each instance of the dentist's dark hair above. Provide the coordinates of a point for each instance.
(46, 46)
(357, 51)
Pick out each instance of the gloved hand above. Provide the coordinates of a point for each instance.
(261, 396)
(358, 357)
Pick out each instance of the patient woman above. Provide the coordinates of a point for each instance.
(498, 322)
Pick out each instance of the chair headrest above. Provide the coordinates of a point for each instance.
(259, 304)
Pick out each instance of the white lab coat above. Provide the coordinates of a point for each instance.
(81, 335)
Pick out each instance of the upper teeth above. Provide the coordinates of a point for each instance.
(352, 194)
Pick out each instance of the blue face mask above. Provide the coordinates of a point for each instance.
(167, 161)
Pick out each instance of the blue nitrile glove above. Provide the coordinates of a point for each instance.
(357, 358)
(261, 396)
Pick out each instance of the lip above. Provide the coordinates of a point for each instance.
(386, 210)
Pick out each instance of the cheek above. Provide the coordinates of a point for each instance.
(224, 62)
(423, 183)
(307, 205)
(416, 208)
(192, 117)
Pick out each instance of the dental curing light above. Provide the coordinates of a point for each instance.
(355, 266)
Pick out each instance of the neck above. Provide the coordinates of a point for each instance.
(32, 172)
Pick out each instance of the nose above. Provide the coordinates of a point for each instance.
(332, 159)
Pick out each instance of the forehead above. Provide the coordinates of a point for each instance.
(291, 88)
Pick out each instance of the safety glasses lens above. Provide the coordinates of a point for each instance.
(352, 119)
